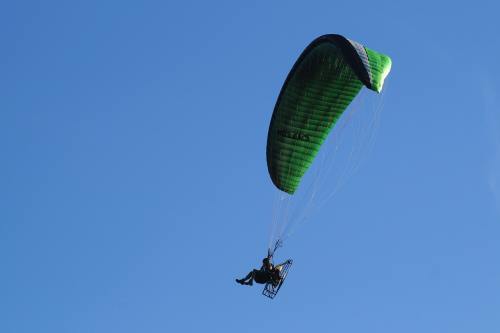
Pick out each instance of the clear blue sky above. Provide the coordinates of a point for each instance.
(134, 188)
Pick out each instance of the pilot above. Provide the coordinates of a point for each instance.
(268, 273)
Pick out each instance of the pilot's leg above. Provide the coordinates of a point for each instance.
(247, 279)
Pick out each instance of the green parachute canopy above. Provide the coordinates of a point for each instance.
(324, 80)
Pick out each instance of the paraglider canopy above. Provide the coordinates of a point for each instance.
(324, 80)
